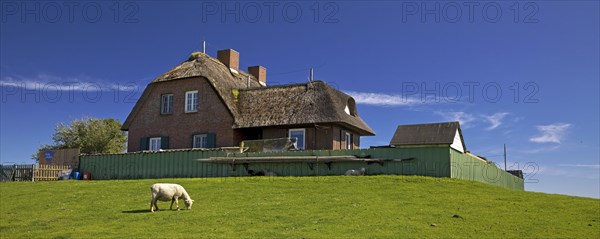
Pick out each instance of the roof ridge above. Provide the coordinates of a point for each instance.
(194, 57)
(433, 123)
(282, 86)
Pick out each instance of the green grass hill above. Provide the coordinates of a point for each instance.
(294, 207)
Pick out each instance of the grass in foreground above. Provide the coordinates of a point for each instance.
(298, 207)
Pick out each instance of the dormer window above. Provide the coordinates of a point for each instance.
(350, 107)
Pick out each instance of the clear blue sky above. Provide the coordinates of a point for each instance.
(521, 73)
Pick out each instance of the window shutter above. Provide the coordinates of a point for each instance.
(164, 142)
(143, 143)
(211, 139)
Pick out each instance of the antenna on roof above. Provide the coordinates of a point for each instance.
(311, 75)
(203, 46)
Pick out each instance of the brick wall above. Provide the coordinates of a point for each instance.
(212, 116)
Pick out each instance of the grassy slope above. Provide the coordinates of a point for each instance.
(375, 206)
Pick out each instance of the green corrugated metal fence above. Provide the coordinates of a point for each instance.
(425, 161)
(192, 163)
(467, 167)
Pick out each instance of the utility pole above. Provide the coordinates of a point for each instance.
(504, 157)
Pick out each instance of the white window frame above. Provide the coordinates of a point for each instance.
(303, 137)
(191, 103)
(154, 143)
(203, 141)
(348, 139)
(166, 104)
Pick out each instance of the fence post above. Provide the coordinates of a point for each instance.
(13, 174)
(33, 172)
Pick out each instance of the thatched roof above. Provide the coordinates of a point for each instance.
(220, 77)
(310, 103)
(259, 106)
(424, 134)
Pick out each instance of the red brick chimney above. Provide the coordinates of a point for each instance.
(260, 73)
(230, 58)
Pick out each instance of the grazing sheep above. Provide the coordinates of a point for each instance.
(168, 191)
(356, 172)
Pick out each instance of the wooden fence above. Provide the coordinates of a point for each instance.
(32, 172)
(46, 172)
(17, 172)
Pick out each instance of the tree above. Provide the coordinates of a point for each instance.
(90, 135)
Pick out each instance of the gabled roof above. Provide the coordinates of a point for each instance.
(310, 103)
(259, 106)
(424, 134)
(220, 77)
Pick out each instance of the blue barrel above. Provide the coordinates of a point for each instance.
(77, 176)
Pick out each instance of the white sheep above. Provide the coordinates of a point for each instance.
(168, 191)
(356, 172)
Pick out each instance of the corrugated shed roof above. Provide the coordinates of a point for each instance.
(423, 134)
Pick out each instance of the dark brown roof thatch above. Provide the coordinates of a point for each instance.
(310, 103)
(435, 133)
(258, 106)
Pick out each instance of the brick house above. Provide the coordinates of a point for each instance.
(208, 103)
